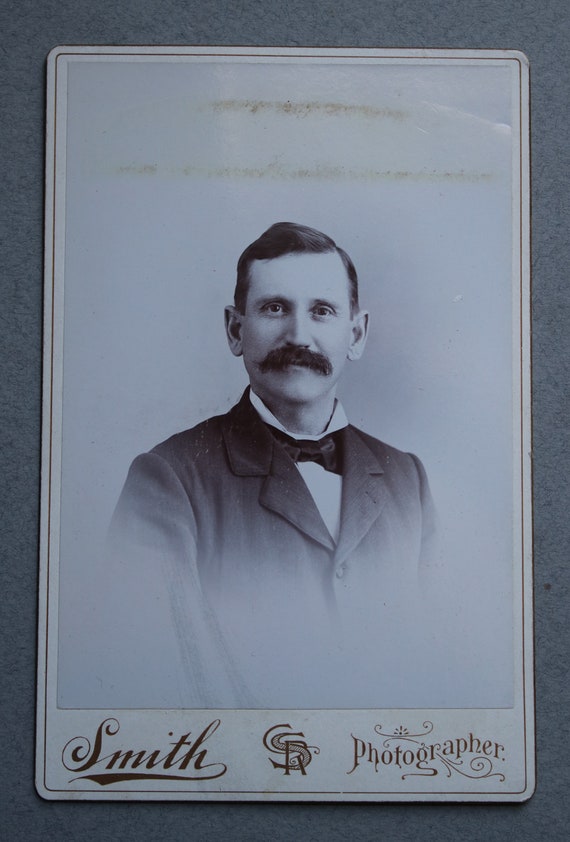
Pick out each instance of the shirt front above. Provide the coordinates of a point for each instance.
(325, 487)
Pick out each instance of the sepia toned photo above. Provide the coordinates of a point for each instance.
(286, 477)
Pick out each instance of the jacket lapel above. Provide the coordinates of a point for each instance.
(363, 493)
(252, 451)
(286, 493)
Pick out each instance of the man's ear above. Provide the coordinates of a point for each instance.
(233, 319)
(359, 334)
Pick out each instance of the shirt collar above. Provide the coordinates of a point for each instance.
(337, 421)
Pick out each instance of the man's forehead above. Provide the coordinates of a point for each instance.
(305, 273)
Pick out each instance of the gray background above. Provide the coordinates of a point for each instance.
(29, 30)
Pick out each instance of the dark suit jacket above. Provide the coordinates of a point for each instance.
(255, 579)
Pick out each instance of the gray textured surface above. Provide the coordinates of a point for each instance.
(28, 30)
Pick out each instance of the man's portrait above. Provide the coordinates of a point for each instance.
(285, 422)
(293, 540)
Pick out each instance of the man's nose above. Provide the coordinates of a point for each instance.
(299, 329)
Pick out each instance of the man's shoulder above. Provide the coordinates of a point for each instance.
(206, 441)
(197, 441)
(402, 470)
(382, 450)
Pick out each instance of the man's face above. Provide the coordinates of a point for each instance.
(297, 330)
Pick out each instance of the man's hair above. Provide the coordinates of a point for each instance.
(284, 238)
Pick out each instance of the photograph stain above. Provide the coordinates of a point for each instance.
(274, 170)
(332, 173)
(303, 109)
(138, 169)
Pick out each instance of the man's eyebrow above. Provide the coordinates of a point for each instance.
(266, 299)
(329, 302)
(325, 300)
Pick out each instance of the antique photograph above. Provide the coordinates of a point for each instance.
(286, 472)
(290, 543)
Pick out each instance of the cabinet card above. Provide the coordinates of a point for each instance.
(286, 493)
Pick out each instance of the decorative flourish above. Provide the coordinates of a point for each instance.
(481, 766)
(401, 731)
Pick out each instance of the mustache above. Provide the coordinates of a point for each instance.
(280, 358)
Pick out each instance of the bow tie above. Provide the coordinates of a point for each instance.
(326, 451)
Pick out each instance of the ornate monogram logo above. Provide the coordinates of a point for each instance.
(292, 746)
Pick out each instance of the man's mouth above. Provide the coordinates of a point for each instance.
(281, 359)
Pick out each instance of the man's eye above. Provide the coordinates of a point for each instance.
(273, 307)
(322, 311)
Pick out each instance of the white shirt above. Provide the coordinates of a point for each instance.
(325, 486)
